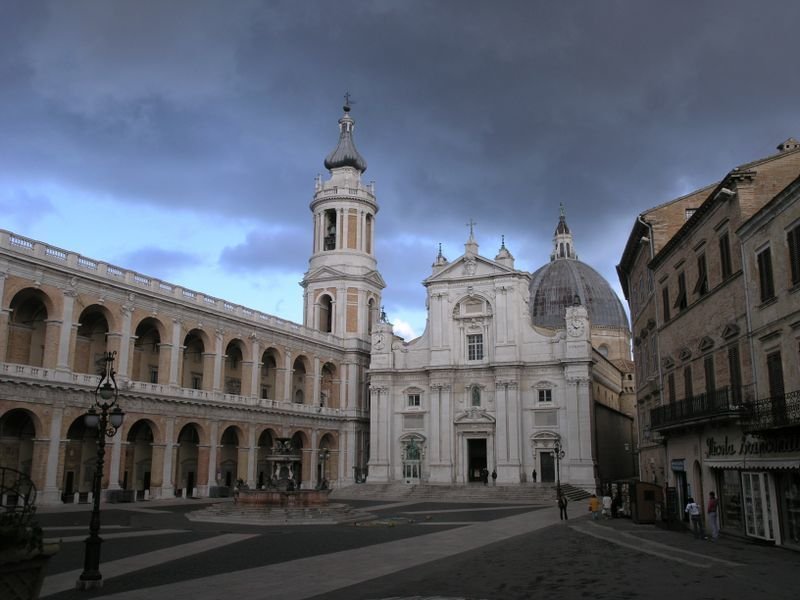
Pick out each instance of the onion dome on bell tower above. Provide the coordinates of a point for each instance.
(345, 153)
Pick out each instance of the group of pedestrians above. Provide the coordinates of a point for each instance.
(607, 506)
(696, 518)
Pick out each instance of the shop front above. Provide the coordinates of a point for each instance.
(758, 483)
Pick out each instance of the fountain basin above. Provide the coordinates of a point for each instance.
(283, 499)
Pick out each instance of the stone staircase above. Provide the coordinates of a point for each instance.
(539, 493)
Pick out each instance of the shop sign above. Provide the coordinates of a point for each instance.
(747, 445)
(678, 464)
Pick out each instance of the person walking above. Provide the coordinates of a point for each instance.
(594, 507)
(534, 475)
(693, 510)
(607, 506)
(562, 507)
(711, 514)
(494, 477)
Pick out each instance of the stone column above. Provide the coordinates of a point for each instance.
(255, 372)
(212, 454)
(116, 452)
(4, 320)
(251, 457)
(51, 494)
(123, 363)
(164, 363)
(65, 334)
(315, 382)
(287, 377)
(314, 461)
(157, 470)
(168, 479)
(218, 360)
(174, 358)
(209, 371)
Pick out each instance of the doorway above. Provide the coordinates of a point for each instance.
(548, 465)
(476, 458)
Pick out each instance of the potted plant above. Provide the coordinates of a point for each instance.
(23, 553)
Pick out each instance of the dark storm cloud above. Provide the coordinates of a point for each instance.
(158, 262)
(493, 111)
(268, 251)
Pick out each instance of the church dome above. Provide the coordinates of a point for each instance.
(555, 286)
(566, 281)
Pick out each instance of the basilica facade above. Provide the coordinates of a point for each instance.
(524, 375)
(512, 365)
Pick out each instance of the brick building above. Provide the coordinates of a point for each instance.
(713, 305)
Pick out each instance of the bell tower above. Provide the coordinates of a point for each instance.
(342, 287)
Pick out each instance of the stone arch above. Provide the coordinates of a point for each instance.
(149, 334)
(228, 462)
(233, 366)
(327, 459)
(80, 460)
(302, 376)
(325, 309)
(197, 364)
(187, 462)
(28, 332)
(329, 386)
(18, 428)
(302, 444)
(266, 443)
(137, 463)
(91, 341)
(271, 383)
(472, 306)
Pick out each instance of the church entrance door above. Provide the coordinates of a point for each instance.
(548, 466)
(476, 458)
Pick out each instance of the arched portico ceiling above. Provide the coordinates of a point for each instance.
(266, 439)
(29, 294)
(142, 430)
(148, 324)
(198, 334)
(77, 430)
(302, 361)
(275, 353)
(300, 439)
(329, 441)
(192, 432)
(19, 423)
(91, 317)
(232, 435)
(237, 345)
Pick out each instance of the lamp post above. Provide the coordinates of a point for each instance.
(107, 417)
(323, 455)
(559, 454)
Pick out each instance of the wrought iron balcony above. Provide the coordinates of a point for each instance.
(722, 403)
(773, 413)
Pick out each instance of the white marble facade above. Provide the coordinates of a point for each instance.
(482, 387)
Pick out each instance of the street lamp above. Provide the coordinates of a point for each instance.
(323, 455)
(559, 454)
(107, 417)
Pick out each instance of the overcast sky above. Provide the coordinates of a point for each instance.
(181, 139)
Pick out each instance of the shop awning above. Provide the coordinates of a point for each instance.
(753, 463)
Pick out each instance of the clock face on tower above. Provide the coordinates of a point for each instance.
(575, 327)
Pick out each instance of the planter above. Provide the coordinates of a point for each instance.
(22, 573)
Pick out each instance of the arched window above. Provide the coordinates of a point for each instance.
(325, 314)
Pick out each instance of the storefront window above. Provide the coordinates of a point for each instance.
(790, 486)
(757, 505)
(731, 501)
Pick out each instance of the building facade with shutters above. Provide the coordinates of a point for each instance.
(709, 281)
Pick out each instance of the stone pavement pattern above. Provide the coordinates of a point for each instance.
(450, 552)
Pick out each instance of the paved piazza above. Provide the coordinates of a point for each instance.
(413, 550)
